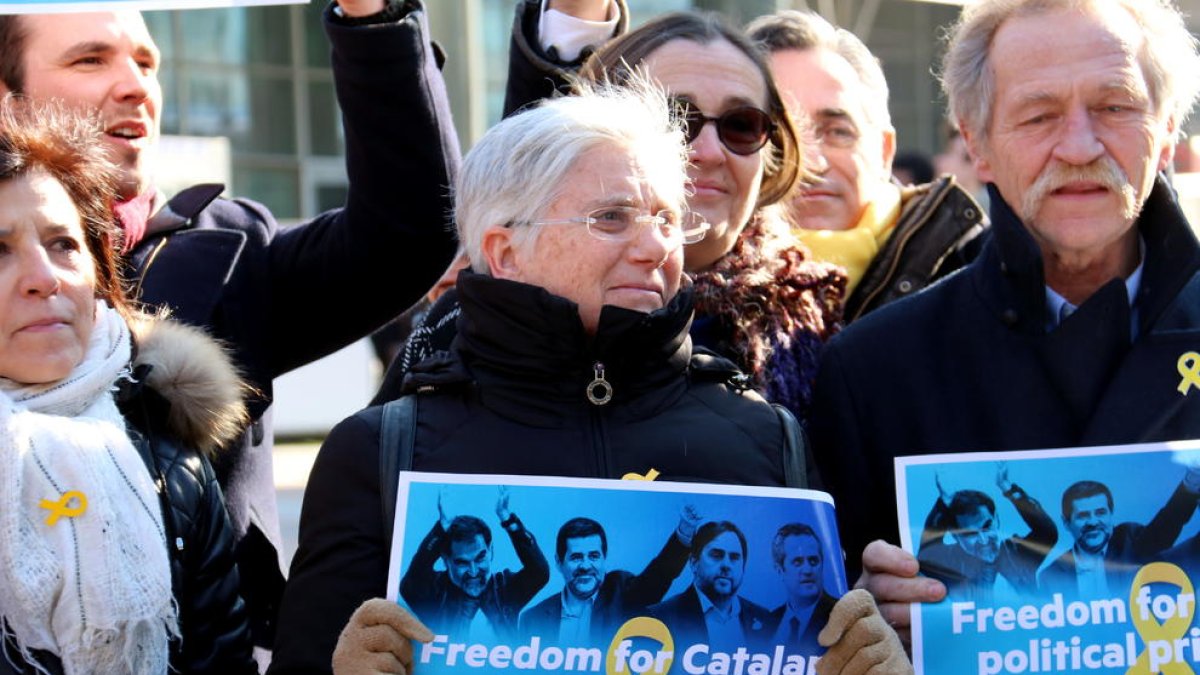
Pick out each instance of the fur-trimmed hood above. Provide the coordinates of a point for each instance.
(193, 372)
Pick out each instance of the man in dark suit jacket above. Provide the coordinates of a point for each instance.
(711, 611)
(1105, 558)
(800, 562)
(594, 602)
(1079, 322)
(467, 601)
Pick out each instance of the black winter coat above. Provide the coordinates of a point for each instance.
(510, 399)
(968, 365)
(283, 297)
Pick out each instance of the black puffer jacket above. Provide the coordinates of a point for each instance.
(511, 398)
(184, 404)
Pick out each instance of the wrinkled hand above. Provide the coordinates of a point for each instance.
(589, 10)
(361, 7)
(689, 520)
(377, 640)
(860, 641)
(890, 575)
(502, 511)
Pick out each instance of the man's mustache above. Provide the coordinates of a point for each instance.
(1104, 171)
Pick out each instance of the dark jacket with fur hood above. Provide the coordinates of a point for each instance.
(184, 404)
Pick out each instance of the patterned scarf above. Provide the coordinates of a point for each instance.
(776, 307)
(88, 581)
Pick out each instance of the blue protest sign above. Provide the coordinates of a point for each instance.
(584, 575)
(1077, 560)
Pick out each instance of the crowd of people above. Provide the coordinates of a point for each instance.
(680, 256)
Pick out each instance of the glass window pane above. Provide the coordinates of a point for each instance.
(325, 134)
(316, 45)
(277, 189)
(237, 36)
(159, 24)
(171, 101)
(254, 111)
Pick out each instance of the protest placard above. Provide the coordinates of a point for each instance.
(1069, 560)
(584, 575)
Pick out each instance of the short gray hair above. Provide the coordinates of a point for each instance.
(515, 172)
(1168, 56)
(792, 29)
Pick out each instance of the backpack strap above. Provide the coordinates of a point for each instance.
(795, 446)
(397, 438)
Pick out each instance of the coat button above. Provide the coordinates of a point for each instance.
(1009, 317)
(904, 286)
(969, 213)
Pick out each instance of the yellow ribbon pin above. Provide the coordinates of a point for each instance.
(1189, 369)
(650, 475)
(59, 508)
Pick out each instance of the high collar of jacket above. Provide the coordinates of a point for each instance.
(527, 353)
(195, 377)
(1172, 258)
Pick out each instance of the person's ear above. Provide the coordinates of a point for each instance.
(889, 150)
(1167, 152)
(975, 146)
(500, 253)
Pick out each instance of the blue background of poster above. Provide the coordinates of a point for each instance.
(1140, 481)
(636, 522)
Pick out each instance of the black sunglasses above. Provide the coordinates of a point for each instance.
(743, 130)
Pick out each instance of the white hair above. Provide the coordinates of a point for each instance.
(1168, 56)
(792, 29)
(515, 172)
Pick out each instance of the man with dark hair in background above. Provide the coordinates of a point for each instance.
(800, 562)
(594, 602)
(467, 600)
(1105, 557)
(710, 611)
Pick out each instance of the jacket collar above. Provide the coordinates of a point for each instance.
(1172, 259)
(528, 354)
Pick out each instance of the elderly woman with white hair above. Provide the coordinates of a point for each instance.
(572, 359)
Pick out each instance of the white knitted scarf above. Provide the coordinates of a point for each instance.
(93, 588)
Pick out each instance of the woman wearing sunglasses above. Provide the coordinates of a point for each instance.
(759, 300)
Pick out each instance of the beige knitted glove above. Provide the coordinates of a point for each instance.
(377, 640)
(860, 642)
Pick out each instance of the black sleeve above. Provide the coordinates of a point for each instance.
(342, 559)
(417, 585)
(1043, 533)
(653, 583)
(532, 73)
(861, 482)
(935, 525)
(350, 270)
(213, 619)
(1160, 534)
(522, 585)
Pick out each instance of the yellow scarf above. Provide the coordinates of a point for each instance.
(855, 248)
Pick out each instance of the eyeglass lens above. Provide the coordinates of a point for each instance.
(743, 130)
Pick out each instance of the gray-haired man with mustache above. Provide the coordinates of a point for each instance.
(1079, 323)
